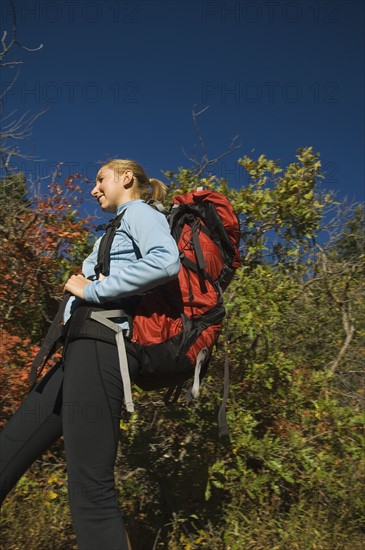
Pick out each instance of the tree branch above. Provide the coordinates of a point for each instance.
(349, 328)
(21, 128)
(6, 48)
(204, 162)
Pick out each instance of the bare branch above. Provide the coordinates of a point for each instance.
(198, 133)
(17, 129)
(6, 48)
(340, 296)
(204, 162)
(27, 49)
(14, 129)
(22, 127)
(192, 159)
(11, 63)
(349, 328)
(7, 90)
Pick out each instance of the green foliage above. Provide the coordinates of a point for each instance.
(37, 517)
(13, 191)
(350, 244)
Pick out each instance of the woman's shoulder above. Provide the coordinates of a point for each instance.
(142, 219)
(136, 204)
(140, 205)
(140, 208)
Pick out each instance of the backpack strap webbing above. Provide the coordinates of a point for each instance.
(200, 260)
(103, 264)
(52, 340)
(104, 317)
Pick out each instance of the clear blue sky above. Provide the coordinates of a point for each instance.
(120, 78)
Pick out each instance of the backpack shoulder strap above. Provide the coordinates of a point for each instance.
(103, 265)
(157, 205)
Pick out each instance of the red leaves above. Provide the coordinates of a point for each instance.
(17, 356)
(45, 239)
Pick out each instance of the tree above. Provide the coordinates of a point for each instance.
(15, 126)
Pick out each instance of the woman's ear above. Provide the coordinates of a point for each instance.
(128, 179)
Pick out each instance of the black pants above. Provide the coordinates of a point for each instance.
(82, 401)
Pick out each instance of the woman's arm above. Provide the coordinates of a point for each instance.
(159, 263)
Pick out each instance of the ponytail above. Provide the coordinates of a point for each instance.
(158, 190)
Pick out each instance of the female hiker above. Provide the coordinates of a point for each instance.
(81, 398)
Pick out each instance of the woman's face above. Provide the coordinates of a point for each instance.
(110, 188)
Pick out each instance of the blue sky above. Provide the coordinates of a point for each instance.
(120, 79)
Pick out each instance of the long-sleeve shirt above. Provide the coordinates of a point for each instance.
(143, 255)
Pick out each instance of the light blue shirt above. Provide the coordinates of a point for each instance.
(143, 255)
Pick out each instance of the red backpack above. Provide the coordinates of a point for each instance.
(176, 325)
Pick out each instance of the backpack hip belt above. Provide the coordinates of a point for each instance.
(83, 325)
(80, 327)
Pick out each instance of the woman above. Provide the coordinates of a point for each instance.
(82, 399)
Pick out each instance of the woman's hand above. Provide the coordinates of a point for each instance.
(76, 284)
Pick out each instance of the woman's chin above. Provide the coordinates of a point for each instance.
(108, 209)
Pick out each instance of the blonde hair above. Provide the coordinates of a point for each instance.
(144, 188)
